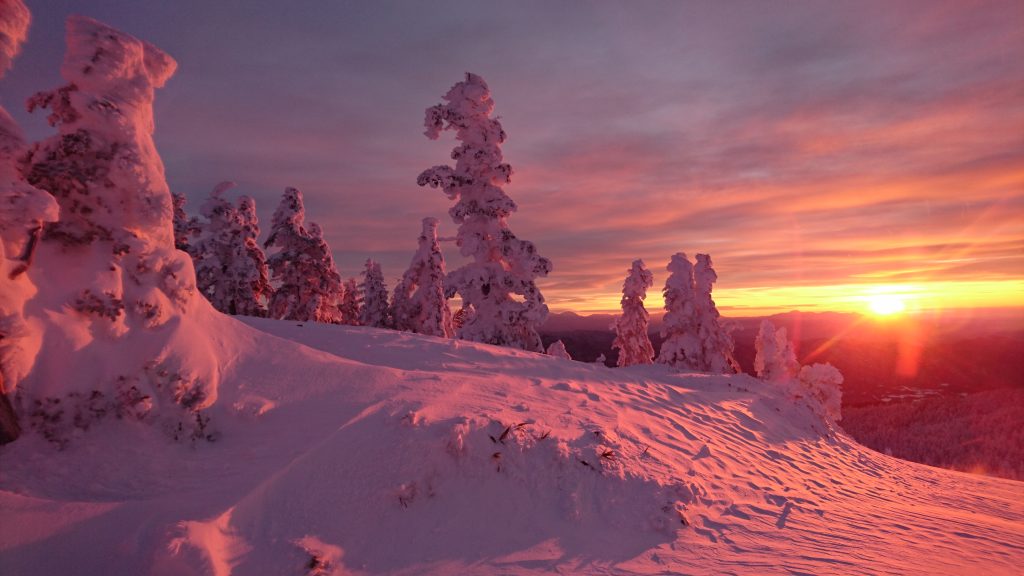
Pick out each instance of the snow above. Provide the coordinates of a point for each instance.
(352, 450)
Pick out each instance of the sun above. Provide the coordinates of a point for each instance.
(886, 304)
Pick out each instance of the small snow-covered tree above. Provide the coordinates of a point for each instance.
(351, 304)
(231, 269)
(255, 271)
(631, 338)
(557, 349)
(419, 304)
(680, 327)
(716, 343)
(823, 383)
(774, 358)
(186, 228)
(309, 284)
(502, 265)
(375, 297)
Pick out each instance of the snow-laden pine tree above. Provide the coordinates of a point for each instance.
(23, 211)
(716, 343)
(231, 270)
(631, 337)
(309, 286)
(350, 309)
(419, 304)
(824, 382)
(108, 270)
(502, 265)
(256, 272)
(774, 358)
(186, 228)
(557, 349)
(375, 297)
(681, 347)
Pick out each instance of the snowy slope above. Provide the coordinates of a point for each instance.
(351, 450)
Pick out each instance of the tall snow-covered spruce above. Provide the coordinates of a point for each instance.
(419, 303)
(681, 348)
(774, 358)
(631, 337)
(498, 287)
(107, 269)
(231, 269)
(715, 341)
(309, 286)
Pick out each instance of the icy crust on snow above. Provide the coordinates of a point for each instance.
(386, 452)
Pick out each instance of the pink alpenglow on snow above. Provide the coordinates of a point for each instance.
(631, 338)
(503, 265)
(114, 301)
(419, 303)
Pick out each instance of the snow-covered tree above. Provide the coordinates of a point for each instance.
(186, 228)
(557, 349)
(631, 337)
(23, 211)
(375, 297)
(716, 343)
(231, 269)
(309, 286)
(419, 304)
(109, 272)
(823, 383)
(502, 265)
(774, 358)
(350, 309)
(680, 328)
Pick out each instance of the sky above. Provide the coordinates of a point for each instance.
(823, 153)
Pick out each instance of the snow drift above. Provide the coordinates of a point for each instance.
(346, 450)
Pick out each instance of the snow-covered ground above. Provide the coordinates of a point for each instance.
(345, 450)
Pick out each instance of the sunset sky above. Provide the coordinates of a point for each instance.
(822, 152)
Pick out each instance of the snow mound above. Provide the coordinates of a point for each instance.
(349, 450)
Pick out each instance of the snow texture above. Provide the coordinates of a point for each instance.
(374, 312)
(308, 284)
(502, 265)
(419, 303)
(418, 455)
(631, 338)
